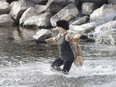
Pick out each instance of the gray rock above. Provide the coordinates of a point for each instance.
(103, 14)
(18, 7)
(2, 0)
(67, 13)
(57, 5)
(112, 1)
(40, 9)
(84, 28)
(42, 34)
(32, 11)
(26, 3)
(39, 1)
(28, 13)
(106, 33)
(42, 20)
(88, 7)
(81, 20)
(6, 20)
(98, 2)
(4, 7)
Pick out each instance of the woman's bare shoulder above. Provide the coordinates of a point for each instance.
(72, 35)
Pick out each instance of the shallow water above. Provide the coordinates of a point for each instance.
(23, 64)
(94, 73)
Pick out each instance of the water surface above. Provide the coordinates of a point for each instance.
(23, 64)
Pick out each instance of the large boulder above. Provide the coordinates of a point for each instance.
(28, 13)
(112, 1)
(81, 20)
(67, 13)
(106, 33)
(6, 20)
(26, 3)
(42, 34)
(17, 9)
(57, 5)
(84, 28)
(40, 9)
(98, 2)
(42, 2)
(3, 0)
(103, 14)
(4, 7)
(32, 11)
(42, 20)
(88, 7)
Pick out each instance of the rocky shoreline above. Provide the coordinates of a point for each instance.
(95, 19)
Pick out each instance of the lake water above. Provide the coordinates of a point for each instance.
(23, 64)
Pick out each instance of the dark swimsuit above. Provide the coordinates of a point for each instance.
(66, 56)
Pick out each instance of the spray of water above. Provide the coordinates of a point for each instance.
(32, 73)
(90, 68)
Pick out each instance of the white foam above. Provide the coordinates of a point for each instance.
(109, 84)
(90, 68)
(29, 72)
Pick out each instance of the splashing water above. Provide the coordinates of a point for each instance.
(90, 68)
(21, 65)
(33, 73)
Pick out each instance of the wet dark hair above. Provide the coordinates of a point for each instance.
(63, 23)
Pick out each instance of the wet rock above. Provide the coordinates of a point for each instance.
(106, 33)
(112, 1)
(67, 13)
(81, 20)
(28, 13)
(42, 34)
(40, 9)
(88, 7)
(52, 6)
(26, 3)
(3, 0)
(4, 7)
(84, 28)
(103, 14)
(32, 11)
(42, 2)
(98, 2)
(42, 20)
(5, 20)
(17, 9)
(86, 38)
(57, 5)
(89, 26)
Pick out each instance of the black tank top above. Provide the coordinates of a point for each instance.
(65, 51)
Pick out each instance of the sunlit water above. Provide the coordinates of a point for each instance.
(23, 64)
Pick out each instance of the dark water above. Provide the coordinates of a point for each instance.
(23, 64)
(16, 44)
